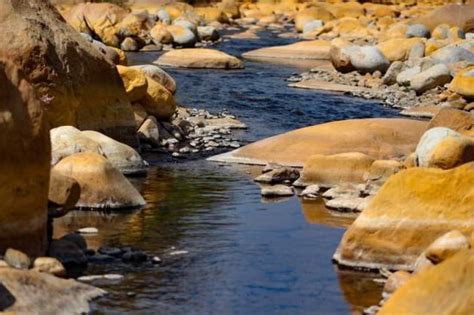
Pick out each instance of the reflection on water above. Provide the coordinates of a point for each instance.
(245, 256)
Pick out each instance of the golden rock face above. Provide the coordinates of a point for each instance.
(463, 82)
(412, 209)
(444, 289)
(399, 48)
(24, 164)
(158, 101)
(135, 82)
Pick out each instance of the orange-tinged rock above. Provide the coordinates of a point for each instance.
(398, 48)
(454, 119)
(384, 168)
(135, 82)
(211, 14)
(330, 170)
(199, 58)
(452, 14)
(347, 9)
(315, 49)
(411, 210)
(444, 289)
(446, 246)
(160, 34)
(463, 82)
(158, 101)
(378, 138)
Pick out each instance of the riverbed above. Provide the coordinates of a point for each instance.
(224, 249)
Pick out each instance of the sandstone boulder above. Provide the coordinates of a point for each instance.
(158, 101)
(199, 58)
(398, 49)
(74, 82)
(444, 148)
(444, 289)
(159, 75)
(313, 50)
(396, 228)
(102, 185)
(63, 191)
(134, 81)
(24, 163)
(463, 82)
(378, 138)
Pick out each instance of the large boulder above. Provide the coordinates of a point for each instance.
(74, 82)
(102, 185)
(313, 50)
(452, 54)
(444, 289)
(134, 81)
(378, 138)
(182, 36)
(26, 292)
(199, 58)
(463, 82)
(411, 210)
(158, 101)
(330, 170)
(67, 140)
(444, 148)
(24, 163)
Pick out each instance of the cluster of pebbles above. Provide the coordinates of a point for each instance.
(372, 88)
(196, 132)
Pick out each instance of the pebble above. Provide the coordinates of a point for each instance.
(113, 277)
(88, 230)
(178, 252)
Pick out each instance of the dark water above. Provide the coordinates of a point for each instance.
(244, 255)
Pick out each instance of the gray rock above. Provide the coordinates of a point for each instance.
(277, 191)
(17, 259)
(390, 76)
(418, 30)
(348, 204)
(208, 33)
(404, 77)
(77, 239)
(417, 52)
(437, 75)
(368, 59)
(311, 26)
(451, 54)
(149, 132)
(164, 16)
(129, 44)
(429, 141)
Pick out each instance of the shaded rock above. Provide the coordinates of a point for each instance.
(63, 191)
(392, 234)
(199, 58)
(208, 33)
(446, 246)
(32, 292)
(24, 161)
(279, 175)
(49, 265)
(329, 170)
(340, 59)
(437, 75)
(68, 253)
(149, 132)
(102, 185)
(17, 259)
(444, 148)
(449, 284)
(277, 191)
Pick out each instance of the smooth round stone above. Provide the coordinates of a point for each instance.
(99, 258)
(111, 251)
(17, 259)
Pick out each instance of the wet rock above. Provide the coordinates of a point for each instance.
(199, 58)
(434, 76)
(102, 185)
(32, 292)
(68, 253)
(100, 258)
(49, 265)
(310, 192)
(158, 100)
(278, 176)
(77, 239)
(111, 251)
(277, 191)
(446, 246)
(17, 259)
(444, 148)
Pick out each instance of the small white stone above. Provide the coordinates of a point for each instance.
(178, 252)
(88, 230)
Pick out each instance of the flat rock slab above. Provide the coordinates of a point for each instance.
(382, 139)
(321, 85)
(199, 58)
(315, 49)
(421, 111)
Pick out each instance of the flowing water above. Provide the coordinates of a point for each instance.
(239, 254)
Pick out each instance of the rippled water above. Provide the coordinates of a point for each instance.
(244, 255)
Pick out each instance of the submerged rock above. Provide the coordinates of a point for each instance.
(102, 185)
(279, 175)
(277, 191)
(25, 292)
